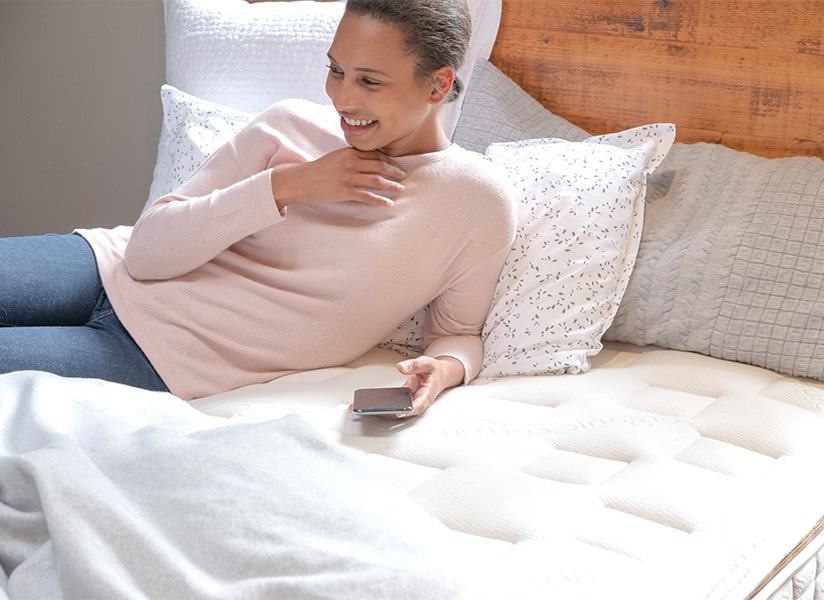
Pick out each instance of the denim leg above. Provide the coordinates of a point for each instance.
(47, 280)
(100, 349)
(56, 317)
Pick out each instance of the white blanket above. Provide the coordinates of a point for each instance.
(108, 491)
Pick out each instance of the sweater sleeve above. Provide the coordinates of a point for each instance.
(456, 317)
(227, 199)
(230, 196)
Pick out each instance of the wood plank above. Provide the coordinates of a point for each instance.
(722, 70)
(788, 24)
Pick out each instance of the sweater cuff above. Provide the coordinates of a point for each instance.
(467, 349)
(265, 195)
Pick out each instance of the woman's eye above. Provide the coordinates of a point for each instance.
(337, 72)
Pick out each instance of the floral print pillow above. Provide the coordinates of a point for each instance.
(580, 220)
(192, 129)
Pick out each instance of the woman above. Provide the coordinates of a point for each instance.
(300, 244)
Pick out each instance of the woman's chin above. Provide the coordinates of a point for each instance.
(361, 145)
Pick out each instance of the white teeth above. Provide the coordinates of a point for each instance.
(357, 122)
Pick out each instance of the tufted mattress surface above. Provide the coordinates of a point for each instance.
(657, 474)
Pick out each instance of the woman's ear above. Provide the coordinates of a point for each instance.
(442, 79)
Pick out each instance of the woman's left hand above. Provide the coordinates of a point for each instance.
(428, 377)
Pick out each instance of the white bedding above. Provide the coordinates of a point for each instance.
(110, 492)
(656, 474)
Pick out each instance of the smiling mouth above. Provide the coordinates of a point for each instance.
(356, 127)
(357, 122)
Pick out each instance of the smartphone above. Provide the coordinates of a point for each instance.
(382, 401)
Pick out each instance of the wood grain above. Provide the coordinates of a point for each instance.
(745, 73)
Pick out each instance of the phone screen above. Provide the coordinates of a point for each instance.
(382, 401)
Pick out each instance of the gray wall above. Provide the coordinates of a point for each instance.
(80, 111)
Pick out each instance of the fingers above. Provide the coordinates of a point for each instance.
(375, 180)
(407, 367)
(381, 165)
(414, 365)
(368, 177)
(374, 189)
(421, 381)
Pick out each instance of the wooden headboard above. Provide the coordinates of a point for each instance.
(745, 73)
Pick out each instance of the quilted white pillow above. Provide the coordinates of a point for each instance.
(248, 56)
(579, 228)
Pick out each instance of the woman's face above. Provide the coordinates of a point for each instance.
(373, 85)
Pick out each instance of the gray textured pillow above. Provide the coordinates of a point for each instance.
(496, 109)
(731, 262)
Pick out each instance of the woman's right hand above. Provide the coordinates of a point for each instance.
(345, 175)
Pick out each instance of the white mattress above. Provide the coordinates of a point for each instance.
(656, 474)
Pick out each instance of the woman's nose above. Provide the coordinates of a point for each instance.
(342, 93)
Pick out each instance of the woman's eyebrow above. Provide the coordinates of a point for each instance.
(361, 69)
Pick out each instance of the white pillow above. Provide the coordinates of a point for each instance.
(248, 56)
(192, 129)
(580, 220)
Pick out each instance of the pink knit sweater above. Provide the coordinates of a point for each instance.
(220, 290)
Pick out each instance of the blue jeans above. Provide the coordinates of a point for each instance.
(55, 315)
